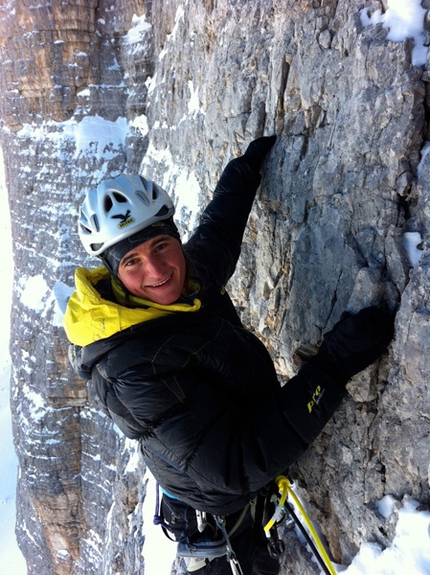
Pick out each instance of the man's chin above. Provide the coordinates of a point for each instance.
(166, 298)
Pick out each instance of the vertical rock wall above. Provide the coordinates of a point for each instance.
(64, 100)
(174, 90)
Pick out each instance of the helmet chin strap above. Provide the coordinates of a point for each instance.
(107, 265)
(112, 273)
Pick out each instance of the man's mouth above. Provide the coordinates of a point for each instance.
(161, 283)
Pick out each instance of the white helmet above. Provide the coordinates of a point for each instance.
(118, 208)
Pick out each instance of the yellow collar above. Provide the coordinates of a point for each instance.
(89, 317)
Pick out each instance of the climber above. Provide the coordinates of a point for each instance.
(167, 358)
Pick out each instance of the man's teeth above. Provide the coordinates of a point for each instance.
(162, 283)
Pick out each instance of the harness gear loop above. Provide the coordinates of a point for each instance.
(158, 519)
(285, 490)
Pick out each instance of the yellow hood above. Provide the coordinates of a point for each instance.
(89, 317)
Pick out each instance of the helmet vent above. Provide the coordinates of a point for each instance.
(96, 247)
(95, 222)
(162, 212)
(119, 197)
(108, 204)
(143, 197)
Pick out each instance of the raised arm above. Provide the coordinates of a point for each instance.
(218, 238)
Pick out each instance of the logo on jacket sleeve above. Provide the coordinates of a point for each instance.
(316, 398)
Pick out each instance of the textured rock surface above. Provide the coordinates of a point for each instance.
(174, 89)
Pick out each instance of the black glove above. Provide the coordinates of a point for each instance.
(257, 150)
(355, 342)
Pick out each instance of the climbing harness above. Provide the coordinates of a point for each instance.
(283, 509)
(213, 540)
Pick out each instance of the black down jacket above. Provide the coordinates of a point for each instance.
(198, 390)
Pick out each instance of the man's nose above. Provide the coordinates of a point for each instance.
(154, 266)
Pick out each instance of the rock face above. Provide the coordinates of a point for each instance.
(174, 90)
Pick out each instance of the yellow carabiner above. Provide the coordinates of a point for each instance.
(282, 483)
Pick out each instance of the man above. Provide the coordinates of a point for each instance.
(169, 361)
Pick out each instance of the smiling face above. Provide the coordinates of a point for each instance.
(155, 270)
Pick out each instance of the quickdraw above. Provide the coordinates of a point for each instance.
(284, 508)
(236, 569)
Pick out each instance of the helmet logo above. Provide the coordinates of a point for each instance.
(125, 219)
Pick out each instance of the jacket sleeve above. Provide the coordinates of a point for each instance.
(273, 434)
(253, 448)
(289, 423)
(218, 237)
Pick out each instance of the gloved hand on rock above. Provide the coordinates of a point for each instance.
(258, 149)
(355, 342)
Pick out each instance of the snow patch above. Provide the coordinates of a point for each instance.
(93, 134)
(37, 405)
(409, 552)
(33, 292)
(404, 19)
(61, 293)
(180, 15)
(194, 102)
(386, 506)
(139, 28)
(135, 456)
(63, 554)
(140, 123)
(411, 241)
(187, 192)
(424, 152)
